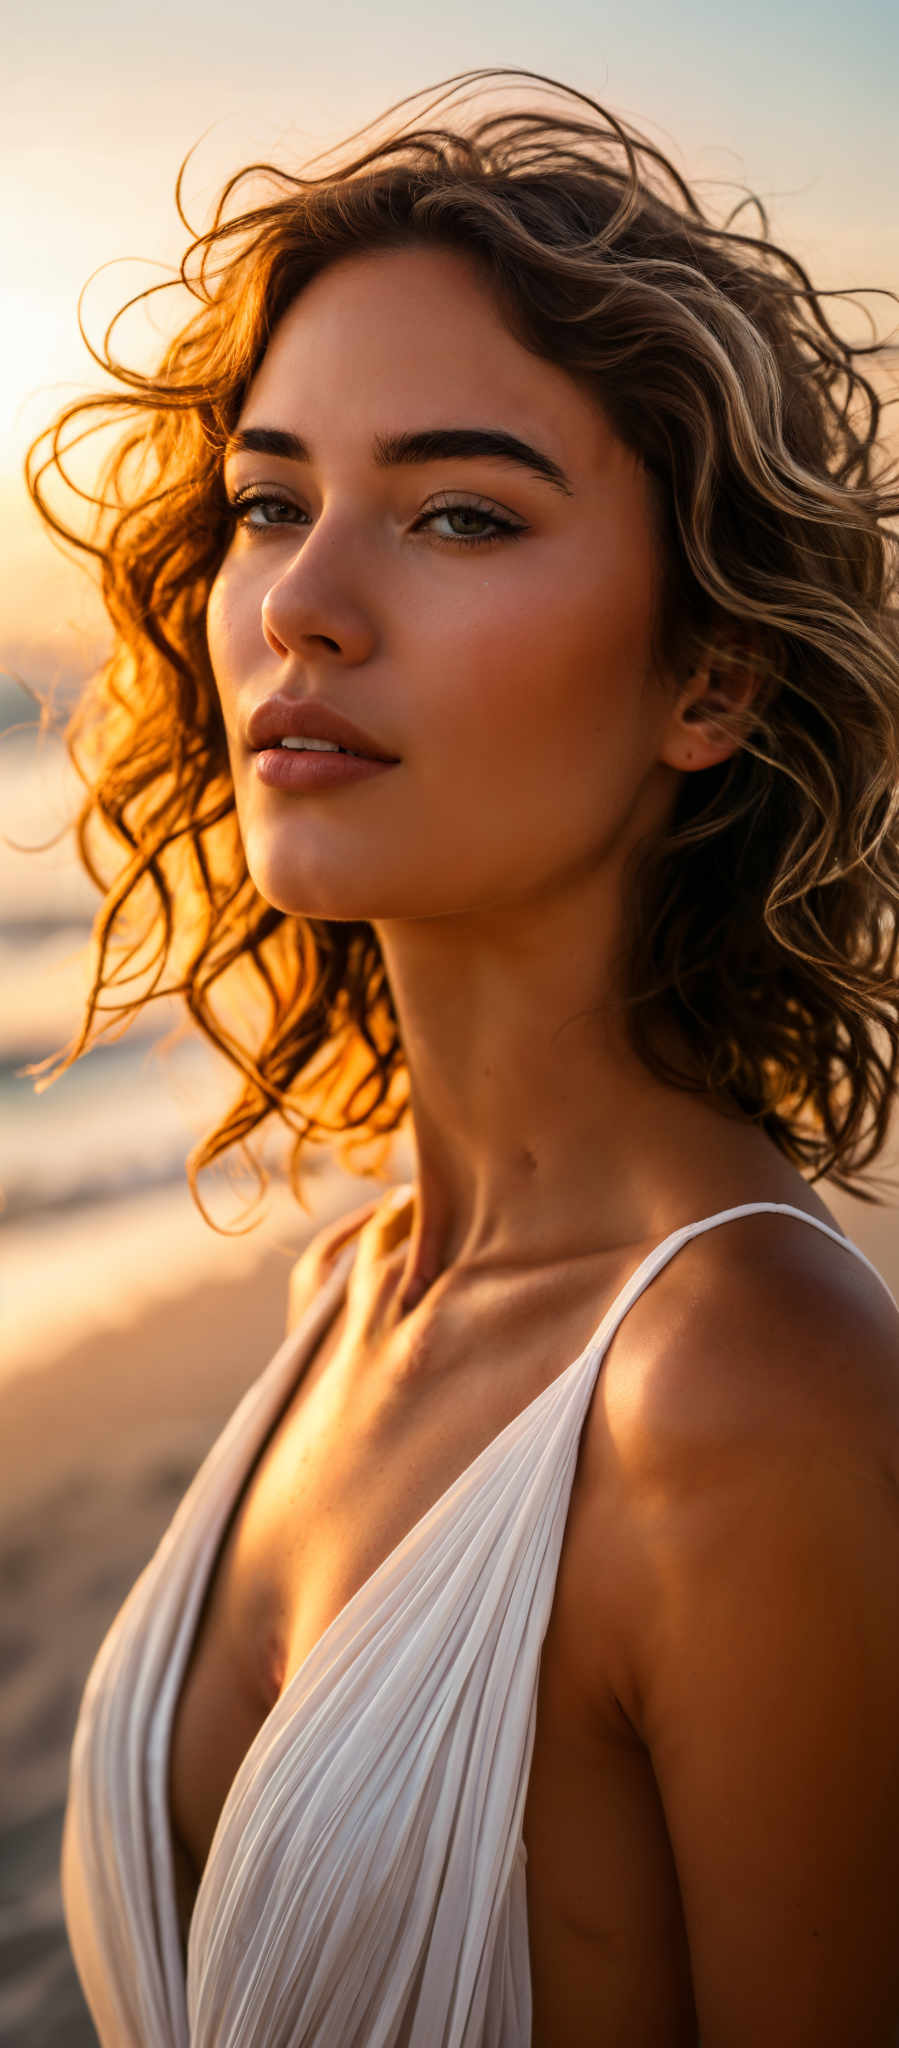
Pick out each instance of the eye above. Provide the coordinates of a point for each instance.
(244, 503)
(465, 511)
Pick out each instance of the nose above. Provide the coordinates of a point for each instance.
(312, 607)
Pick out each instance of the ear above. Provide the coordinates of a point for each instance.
(712, 715)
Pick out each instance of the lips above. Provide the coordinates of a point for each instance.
(284, 717)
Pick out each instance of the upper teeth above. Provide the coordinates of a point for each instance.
(322, 746)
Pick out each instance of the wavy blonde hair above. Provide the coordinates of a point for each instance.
(764, 920)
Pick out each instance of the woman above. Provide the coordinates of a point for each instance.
(476, 1696)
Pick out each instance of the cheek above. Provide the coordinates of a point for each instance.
(541, 737)
(556, 655)
(234, 635)
(220, 629)
(227, 638)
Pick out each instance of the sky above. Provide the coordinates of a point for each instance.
(102, 103)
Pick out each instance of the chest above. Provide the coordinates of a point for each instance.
(341, 1480)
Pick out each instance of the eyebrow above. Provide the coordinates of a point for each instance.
(430, 444)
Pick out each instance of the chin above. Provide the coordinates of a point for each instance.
(296, 900)
(345, 886)
(298, 895)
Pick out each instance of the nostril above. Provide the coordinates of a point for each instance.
(270, 636)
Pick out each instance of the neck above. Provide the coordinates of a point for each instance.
(539, 1135)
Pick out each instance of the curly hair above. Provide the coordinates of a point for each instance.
(763, 920)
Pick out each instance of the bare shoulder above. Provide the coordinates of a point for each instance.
(746, 1594)
(757, 1328)
(763, 1355)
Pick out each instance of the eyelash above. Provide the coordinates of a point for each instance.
(244, 501)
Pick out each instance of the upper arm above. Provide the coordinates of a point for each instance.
(764, 1641)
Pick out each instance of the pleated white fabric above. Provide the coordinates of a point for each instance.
(365, 1887)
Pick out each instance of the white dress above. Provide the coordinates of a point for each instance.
(366, 1883)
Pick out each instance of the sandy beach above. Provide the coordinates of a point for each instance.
(100, 1441)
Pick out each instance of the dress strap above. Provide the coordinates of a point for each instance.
(678, 1237)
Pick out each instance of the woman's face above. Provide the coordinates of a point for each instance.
(486, 624)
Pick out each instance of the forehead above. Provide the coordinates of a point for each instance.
(415, 332)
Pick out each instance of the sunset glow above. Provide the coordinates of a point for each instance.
(799, 110)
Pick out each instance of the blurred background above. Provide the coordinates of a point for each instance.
(129, 1327)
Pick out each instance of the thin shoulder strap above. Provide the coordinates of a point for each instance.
(679, 1237)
